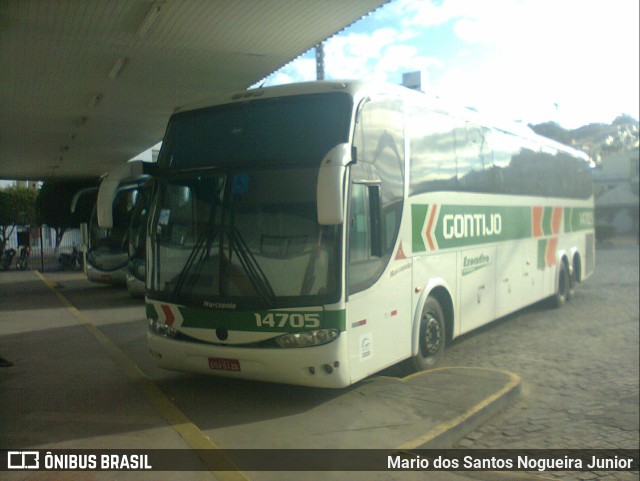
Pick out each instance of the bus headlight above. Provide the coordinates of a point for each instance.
(308, 338)
(161, 329)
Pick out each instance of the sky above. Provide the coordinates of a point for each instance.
(573, 62)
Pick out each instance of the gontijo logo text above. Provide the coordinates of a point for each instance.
(440, 226)
(436, 226)
(459, 226)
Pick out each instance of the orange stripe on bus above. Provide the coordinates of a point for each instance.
(552, 246)
(556, 220)
(430, 224)
(537, 214)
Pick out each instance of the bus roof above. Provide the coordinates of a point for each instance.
(360, 89)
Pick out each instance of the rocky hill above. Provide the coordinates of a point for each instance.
(597, 140)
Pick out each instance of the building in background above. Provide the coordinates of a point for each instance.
(616, 187)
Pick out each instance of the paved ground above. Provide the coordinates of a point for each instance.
(579, 368)
(81, 378)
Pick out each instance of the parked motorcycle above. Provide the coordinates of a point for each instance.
(7, 259)
(72, 261)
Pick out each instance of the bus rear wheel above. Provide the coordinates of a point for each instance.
(564, 286)
(432, 336)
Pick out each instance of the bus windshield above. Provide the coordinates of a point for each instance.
(248, 237)
(298, 129)
(108, 248)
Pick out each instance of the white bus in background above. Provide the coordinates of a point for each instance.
(317, 233)
(107, 252)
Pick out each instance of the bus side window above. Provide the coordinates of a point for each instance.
(365, 236)
(506, 148)
(433, 158)
(474, 159)
(358, 224)
(523, 168)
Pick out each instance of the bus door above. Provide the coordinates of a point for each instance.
(477, 272)
(518, 282)
(378, 280)
(379, 302)
(473, 225)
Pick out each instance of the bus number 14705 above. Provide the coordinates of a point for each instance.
(288, 319)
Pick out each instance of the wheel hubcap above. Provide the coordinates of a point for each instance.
(432, 335)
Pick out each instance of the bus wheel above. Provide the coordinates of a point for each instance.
(571, 292)
(564, 286)
(432, 336)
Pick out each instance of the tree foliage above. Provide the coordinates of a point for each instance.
(54, 205)
(17, 207)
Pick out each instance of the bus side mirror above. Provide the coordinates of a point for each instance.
(330, 193)
(108, 187)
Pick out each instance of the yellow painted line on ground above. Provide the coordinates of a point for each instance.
(194, 437)
(513, 383)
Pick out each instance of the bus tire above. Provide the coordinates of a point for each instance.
(572, 285)
(564, 286)
(432, 335)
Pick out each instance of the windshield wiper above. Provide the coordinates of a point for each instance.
(250, 265)
(225, 232)
(202, 250)
(206, 239)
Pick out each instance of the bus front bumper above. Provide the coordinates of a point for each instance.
(319, 366)
(116, 278)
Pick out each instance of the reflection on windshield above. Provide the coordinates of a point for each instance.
(250, 235)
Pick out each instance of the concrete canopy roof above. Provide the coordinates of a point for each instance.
(88, 84)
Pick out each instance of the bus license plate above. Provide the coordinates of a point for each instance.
(220, 364)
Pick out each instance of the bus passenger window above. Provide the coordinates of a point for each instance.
(474, 159)
(433, 157)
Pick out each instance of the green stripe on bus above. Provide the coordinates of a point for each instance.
(542, 254)
(150, 311)
(578, 219)
(463, 226)
(418, 216)
(546, 221)
(283, 319)
(568, 213)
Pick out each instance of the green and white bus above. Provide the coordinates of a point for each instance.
(108, 240)
(317, 233)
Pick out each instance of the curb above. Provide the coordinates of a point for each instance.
(448, 433)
